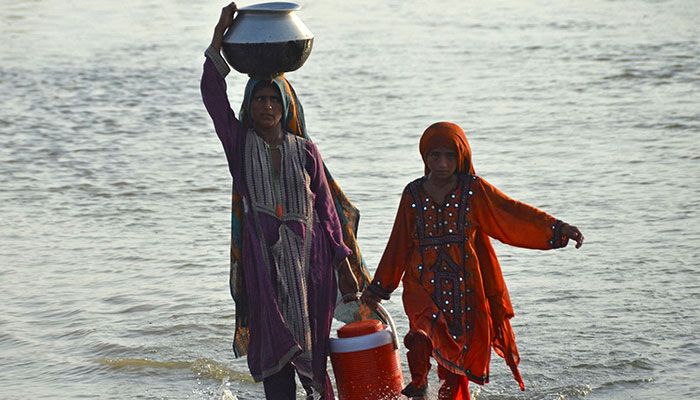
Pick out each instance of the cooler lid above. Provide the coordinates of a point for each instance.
(361, 328)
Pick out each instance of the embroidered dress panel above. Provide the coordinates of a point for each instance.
(440, 226)
(291, 253)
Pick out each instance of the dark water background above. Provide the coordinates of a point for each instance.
(114, 192)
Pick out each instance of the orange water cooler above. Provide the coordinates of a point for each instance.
(366, 362)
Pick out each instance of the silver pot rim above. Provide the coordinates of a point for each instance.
(274, 22)
(275, 6)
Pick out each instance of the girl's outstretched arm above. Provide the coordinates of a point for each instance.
(516, 223)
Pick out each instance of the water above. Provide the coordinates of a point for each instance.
(115, 193)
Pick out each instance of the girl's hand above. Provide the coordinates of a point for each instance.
(225, 20)
(573, 233)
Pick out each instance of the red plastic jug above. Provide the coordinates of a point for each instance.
(366, 361)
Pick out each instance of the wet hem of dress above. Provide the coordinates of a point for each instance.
(481, 380)
(293, 352)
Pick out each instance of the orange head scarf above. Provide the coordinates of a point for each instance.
(447, 134)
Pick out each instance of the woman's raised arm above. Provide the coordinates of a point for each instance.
(213, 87)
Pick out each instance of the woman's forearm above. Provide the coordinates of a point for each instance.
(218, 37)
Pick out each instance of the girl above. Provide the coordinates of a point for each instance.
(454, 293)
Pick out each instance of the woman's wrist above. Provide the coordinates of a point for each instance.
(218, 38)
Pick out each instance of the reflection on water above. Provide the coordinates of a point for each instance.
(115, 191)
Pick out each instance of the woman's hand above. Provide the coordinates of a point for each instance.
(225, 20)
(347, 283)
(370, 298)
(572, 233)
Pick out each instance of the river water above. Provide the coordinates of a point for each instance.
(114, 191)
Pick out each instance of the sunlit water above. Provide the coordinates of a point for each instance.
(114, 191)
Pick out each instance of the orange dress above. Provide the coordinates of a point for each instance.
(448, 291)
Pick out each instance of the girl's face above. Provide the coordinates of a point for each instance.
(442, 162)
(266, 108)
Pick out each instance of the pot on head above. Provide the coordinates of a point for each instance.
(267, 39)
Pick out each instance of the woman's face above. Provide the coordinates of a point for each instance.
(442, 162)
(266, 108)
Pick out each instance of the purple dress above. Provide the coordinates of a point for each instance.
(292, 240)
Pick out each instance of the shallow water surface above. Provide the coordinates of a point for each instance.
(115, 190)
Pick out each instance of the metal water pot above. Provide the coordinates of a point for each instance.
(267, 39)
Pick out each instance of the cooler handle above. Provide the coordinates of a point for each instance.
(380, 308)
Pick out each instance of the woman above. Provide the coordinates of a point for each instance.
(454, 293)
(286, 234)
